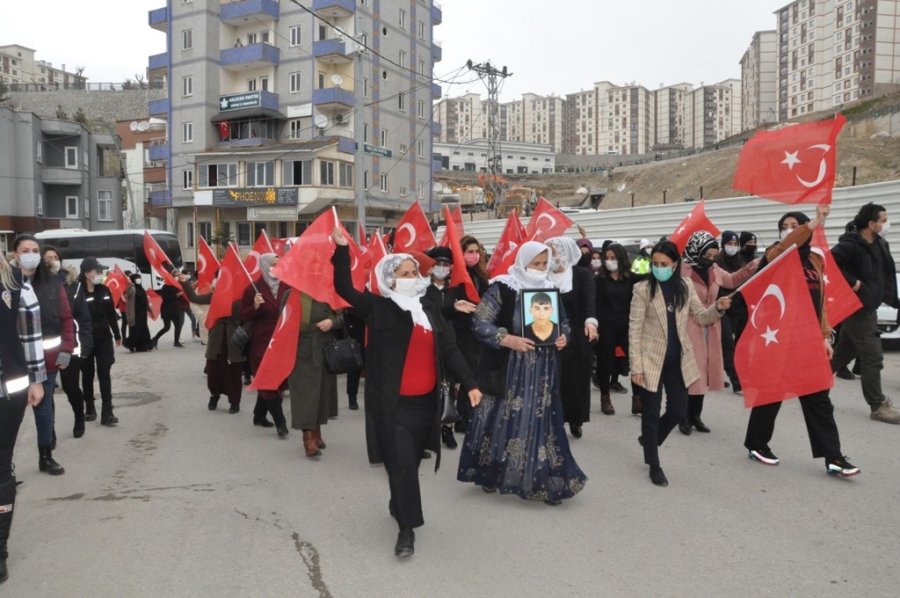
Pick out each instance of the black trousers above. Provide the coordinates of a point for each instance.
(614, 334)
(169, 318)
(12, 410)
(101, 362)
(70, 378)
(654, 428)
(818, 411)
(412, 425)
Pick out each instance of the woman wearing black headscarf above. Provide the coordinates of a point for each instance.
(136, 308)
(731, 259)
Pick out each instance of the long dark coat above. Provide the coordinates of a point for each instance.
(390, 329)
(264, 320)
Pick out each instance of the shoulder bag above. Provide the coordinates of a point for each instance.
(342, 353)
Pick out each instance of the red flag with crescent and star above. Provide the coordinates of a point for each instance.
(840, 300)
(696, 220)
(116, 282)
(155, 304)
(262, 246)
(281, 354)
(792, 165)
(546, 222)
(233, 280)
(360, 235)
(413, 231)
(279, 246)
(513, 236)
(157, 258)
(781, 353)
(207, 265)
(375, 252)
(459, 274)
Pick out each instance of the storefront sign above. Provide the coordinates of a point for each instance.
(273, 214)
(258, 196)
(235, 101)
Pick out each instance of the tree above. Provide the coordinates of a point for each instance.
(220, 239)
(80, 117)
(60, 113)
(4, 92)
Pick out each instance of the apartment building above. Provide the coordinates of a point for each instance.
(581, 120)
(462, 119)
(669, 104)
(518, 158)
(712, 113)
(261, 111)
(56, 174)
(759, 76)
(19, 68)
(628, 119)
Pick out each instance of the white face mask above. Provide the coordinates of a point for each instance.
(731, 250)
(408, 287)
(556, 263)
(595, 264)
(29, 261)
(612, 265)
(536, 275)
(54, 266)
(884, 229)
(784, 234)
(440, 272)
(98, 279)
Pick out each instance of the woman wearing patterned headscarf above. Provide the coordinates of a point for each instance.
(409, 346)
(698, 265)
(516, 441)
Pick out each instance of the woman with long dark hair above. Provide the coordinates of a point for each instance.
(660, 351)
(137, 306)
(58, 331)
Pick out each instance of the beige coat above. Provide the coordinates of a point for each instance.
(648, 333)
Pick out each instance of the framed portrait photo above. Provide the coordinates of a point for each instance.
(540, 315)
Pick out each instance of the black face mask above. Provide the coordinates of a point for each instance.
(749, 251)
(704, 263)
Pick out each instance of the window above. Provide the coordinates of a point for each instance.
(384, 137)
(421, 30)
(264, 36)
(71, 206)
(217, 175)
(243, 234)
(420, 111)
(420, 149)
(295, 35)
(401, 59)
(251, 84)
(189, 233)
(365, 88)
(40, 204)
(187, 132)
(345, 174)
(402, 20)
(326, 173)
(104, 205)
(384, 183)
(71, 157)
(252, 38)
(421, 69)
(187, 39)
(39, 153)
(365, 132)
(264, 83)
(187, 179)
(187, 86)
(87, 207)
(420, 190)
(321, 80)
(296, 128)
(401, 102)
(295, 82)
(260, 174)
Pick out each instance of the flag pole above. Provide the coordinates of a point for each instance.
(243, 267)
(790, 250)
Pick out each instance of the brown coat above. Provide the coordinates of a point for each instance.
(648, 333)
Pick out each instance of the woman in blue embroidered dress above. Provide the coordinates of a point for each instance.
(516, 441)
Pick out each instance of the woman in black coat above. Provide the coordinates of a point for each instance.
(409, 345)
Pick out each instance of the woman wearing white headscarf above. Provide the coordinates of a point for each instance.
(516, 441)
(578, 296)
(409, 345)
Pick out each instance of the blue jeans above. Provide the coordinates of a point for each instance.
(43, 412)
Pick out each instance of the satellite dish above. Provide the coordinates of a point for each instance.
(143, 125)
(133, 125)
(321, 121)
(337, 79)
(437, 187)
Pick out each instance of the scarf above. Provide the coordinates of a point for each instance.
(697, 246)
(567, 252)
(518, 278)
(384, 274)
(265, 266)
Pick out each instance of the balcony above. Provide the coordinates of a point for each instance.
(159, 19)
(56, 175)
(159, 149)
(333, 99)
(248, 11)
(435, 128)
(437, 15)
(159, 107)
(61, 128)
(436, 166)
(334, 9)
(253, 56)
(159, 64)
(331, 51)
(436, 91)
(437, 52)
(159, 196)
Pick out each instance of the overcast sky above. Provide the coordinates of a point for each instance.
(550, 46)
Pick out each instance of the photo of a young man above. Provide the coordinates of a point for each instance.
(541, 323)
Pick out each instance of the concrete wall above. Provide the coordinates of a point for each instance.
(97, 105)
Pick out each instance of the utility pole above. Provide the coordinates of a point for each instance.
(493, 79)
(358, 126)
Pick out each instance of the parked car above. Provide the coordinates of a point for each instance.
(888, 325)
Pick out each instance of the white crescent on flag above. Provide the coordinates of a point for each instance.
(547, 216)
(202, 263)
(823, 167)
(775, 291)
(412, 233)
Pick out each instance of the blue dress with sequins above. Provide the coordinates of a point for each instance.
(516, 442)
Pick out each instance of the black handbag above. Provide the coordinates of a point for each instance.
(449, 414)
(240, 340)
(342, 354)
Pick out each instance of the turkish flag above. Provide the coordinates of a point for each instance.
(513, 235)
(360, 235)
(281, 354)
(459, 274)
(116, 282)
(207, 264)
(375, 252)
(157, 257)
(262, 246)
(693, 222)
(413, 231)
(792, 165)
(781, 354)
(546, 222)
(155, 304)
(223, 130)
(840, 300)
(456, 216)
(307, 266)
(233, 280)
(279, 246)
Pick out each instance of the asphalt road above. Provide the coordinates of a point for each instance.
(180, 501)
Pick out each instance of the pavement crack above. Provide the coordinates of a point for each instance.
(310, 557)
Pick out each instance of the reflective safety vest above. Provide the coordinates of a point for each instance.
(641, 265)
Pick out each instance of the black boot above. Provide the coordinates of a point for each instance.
(78, 430)
(259, 414)
(7, 502)
(106, 415)
(46, 462)
(90, 412)
(354, 404)
(685, 426)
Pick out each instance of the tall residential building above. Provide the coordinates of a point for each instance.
(19, 68)
(581, 124)
(712, 113)
(759, 81)
(628, 119)
(462, 119)
(669, 104)
(262, 99)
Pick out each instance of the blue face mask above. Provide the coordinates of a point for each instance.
(662, 274)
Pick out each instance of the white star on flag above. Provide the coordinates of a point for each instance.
(791, 159)
(825, 278)
(770, 336)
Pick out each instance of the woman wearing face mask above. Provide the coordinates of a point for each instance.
(731, 259)
(58, 330)
(596, 262)
(614, 286)
(137, 307)
(577, 293)
(516, 441)
(698, 266)
(105, 328)
(261, 306)
(586, 248)
(661, 353)
(410, 345)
